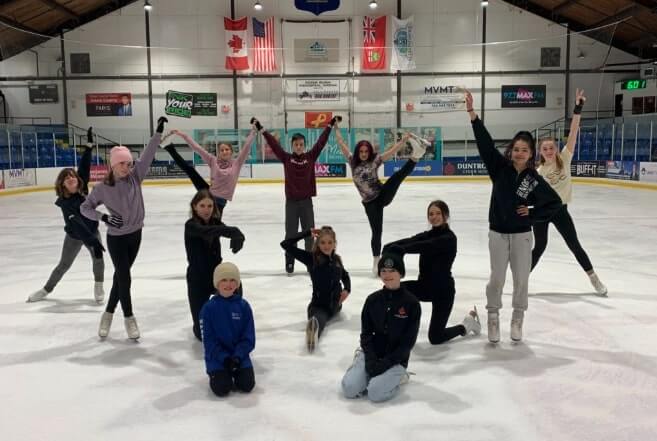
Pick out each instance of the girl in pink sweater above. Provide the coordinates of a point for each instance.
(224, 171)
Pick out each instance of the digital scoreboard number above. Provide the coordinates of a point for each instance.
(633, 84)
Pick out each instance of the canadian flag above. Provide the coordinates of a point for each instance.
(237, 56)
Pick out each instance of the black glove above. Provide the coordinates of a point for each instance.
(113, 220)
(231, 364)
(376, 366)
(160, 124)
(335, 119)
(394, 249)
(236, 243)
(98, 250)
(256, 123)
(90, 137)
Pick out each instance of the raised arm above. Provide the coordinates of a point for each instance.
(580, 99)
(204, 154)
(246, 149)
(344, 148)
(395, 148)
(321, 142)
(492, 158)
(144, 162)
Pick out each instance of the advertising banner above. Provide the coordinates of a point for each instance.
(165, 171)
(186, 105)
(316, 50)
(464, 167)
(330, 170)
(648, 171)
(589, 169)
(624, 170)
(422, 168)
(97, 173)
(318, 90)
(523, 96)
(109, 104)
(441, 98)
(14, 178)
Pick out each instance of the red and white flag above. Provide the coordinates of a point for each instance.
(237, 56)
(264, 58)
(374, 43)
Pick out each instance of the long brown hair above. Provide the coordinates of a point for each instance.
(198, 197)
(60, 189)
(443, 208)
(318, 256)
(557, 157)
(109, 178)
(527, 137)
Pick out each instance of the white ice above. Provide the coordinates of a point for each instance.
(586, 370)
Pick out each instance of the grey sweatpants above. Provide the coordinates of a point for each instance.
(70, 250)
(380, 388)
(298, 211)
(505, 249)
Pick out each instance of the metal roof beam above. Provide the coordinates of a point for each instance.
(61, 8)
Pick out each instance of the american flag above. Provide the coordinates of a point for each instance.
(264, 59)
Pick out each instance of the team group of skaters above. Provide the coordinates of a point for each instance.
(524, 200)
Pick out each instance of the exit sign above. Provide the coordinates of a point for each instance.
(633, 84)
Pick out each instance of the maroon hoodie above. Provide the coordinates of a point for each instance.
(299, 169)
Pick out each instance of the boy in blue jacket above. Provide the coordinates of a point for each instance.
(228, 334)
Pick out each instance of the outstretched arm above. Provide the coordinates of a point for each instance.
(492, 158)
(395, 148)
(246, 149)
(580, 99)
(344, 148)
(207, 157)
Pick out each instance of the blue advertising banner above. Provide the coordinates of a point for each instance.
(464, 167)
(422, 168)
(625, 170)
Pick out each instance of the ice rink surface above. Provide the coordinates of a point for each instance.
(586, 370)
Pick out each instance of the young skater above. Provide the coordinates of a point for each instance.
(326, 272)
(202, 233)
(516, 187)
(228, 334)
(71, 188)
(555, 168)
(390, 322)
(435, 284)
(300, 184)
(376, 196)
(121, 194)
(224, 170)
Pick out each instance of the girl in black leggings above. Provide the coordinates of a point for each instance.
(435, 284)
(376, 196)
(555, 168)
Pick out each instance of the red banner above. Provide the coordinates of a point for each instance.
(315, 120)
(109, 104)
(237, 56)
(373, 56)
(97, 173)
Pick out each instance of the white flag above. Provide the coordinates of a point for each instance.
(403, 44)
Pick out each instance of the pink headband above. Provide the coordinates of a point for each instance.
(120, 154)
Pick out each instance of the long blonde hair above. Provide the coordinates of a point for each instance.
(557, 157)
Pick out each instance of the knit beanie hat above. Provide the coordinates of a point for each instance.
(226, 270)
(120, 154)
(392, 261)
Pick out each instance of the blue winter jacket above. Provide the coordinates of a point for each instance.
(228, 331)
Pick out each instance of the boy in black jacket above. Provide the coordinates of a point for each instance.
(390, 323)
(519, 198)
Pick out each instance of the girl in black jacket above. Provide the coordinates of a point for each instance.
(202, 233)
(435, 284)
(516, 187)
(326, 272)
(71, 189)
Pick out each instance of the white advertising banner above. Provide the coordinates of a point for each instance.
(648, 172)
(318, 90)
(19, 177)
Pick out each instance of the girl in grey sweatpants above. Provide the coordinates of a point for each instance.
(520, 197)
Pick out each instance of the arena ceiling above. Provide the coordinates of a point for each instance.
(636, 33)
(22, 20)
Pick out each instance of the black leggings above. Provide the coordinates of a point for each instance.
(565, 226)
(222, 382)
(441, 308)
(197, 180)
(374, 208)
(322, 314)
(123, 251)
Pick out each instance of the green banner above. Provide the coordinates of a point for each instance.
(179, 104)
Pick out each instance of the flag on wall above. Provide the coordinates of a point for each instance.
(403, 44)
(237, 57)
(317, 6)
(264, 58)
(374, 43)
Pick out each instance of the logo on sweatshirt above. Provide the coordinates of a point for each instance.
(401, 313)
(527, 185)
(236, 316)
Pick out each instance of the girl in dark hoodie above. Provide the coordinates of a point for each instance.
(520, 197)
(331, 282)
(435, 284)
(71, 189)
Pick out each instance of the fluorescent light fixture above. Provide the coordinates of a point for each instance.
(257, 6)
(374, 4)
(484, 3)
